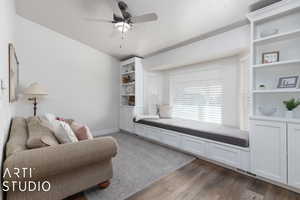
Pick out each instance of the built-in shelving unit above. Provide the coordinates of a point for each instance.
(274, 133)
(131, 91)
(127, 87)
(284, 37)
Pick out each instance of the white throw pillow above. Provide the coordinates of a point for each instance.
(61, 130)
(49, 117)
(165, 111)
(64, 133)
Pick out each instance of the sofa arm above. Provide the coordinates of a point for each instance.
(49, 161)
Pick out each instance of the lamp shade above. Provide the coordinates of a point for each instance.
(35, 89)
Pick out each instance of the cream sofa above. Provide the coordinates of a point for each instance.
(69, 168)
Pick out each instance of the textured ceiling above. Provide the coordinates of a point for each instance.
(179, 20)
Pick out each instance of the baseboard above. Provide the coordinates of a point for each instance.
(105, 131)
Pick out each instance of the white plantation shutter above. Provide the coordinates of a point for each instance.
(200, 100)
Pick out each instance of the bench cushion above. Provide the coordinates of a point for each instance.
(220, 133)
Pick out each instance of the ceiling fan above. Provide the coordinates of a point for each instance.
(122, 19)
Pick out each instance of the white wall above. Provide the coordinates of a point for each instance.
(223, 45)
(82, 82)
(7, 17)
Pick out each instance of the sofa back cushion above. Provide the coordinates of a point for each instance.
(17, 137)
(35, 133)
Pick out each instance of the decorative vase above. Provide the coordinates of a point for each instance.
(289, 114)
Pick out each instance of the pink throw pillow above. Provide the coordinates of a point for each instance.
(84, 133)
(75, 126)
(81, 132)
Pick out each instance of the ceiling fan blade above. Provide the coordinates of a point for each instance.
(98, 20)
(116, 9)
(144, 18)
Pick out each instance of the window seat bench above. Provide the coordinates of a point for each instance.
(220, 133)
(225, 145)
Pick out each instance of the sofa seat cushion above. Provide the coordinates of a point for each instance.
(36, 131)
(18, 136)
(216, 132)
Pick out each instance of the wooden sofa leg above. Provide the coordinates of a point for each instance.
(104, 184)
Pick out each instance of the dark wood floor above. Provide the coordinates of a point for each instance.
(201, 180)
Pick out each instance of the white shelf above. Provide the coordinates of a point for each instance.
(126, 73)
(127, 95)
(126, 84)
(278, 119)
(278, 37)
(276, 91)
(297, 61)
(127, 106)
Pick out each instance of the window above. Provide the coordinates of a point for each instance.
(200, 100)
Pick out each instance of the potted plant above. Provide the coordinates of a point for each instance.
(290, 106)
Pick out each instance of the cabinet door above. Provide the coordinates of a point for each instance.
(170, 138)
(223, 154)
(294, 155)
(268, 150)
(154, 134)
(193, 145)
(126, 119)
(122, 119)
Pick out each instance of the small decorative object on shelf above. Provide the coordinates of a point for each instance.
(288, 82)
(129, 89)
(267, 110)
(270, 57)
(262, 86)
(131, 101)
(266, 33)
(131, 68)
(126, 79)
(290, 106)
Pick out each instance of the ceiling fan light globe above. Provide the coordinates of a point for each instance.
(122, 26)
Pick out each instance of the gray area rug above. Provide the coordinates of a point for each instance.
(138, 164)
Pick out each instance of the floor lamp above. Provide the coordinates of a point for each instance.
(35, 91)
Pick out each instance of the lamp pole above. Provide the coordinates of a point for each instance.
(34, 99)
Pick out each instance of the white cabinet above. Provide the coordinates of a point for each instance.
(194, 145)
(268, 150)
(126, 119)
(170, 138)
(140, 130)
(223, 154)
(294, 155)
(154, 134)
(230, 155)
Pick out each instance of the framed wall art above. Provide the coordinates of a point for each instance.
(13, 74)
(270, 57)
(288, 82)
